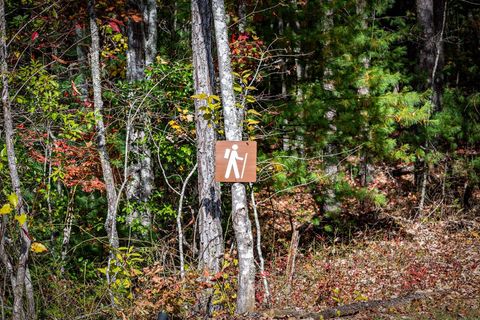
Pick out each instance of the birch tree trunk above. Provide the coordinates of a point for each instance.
(210, 228)
(110, 222)
(363, 92)
(233, 131)
(331, 204)
(19, 281)
(142, 49)
(242, 16)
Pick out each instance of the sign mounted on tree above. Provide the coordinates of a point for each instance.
(236, 161)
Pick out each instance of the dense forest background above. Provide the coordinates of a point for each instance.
(366, 114)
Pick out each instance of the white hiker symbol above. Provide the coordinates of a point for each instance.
(232, 156)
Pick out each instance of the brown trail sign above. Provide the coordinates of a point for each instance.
(236, 161)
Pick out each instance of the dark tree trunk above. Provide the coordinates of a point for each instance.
(142, 49)
(431, 21)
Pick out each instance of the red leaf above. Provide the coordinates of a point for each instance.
(114, 26)
(243, 37)
(120, 23)
(34, 35)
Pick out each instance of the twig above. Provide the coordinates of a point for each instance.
(259, 246)
(179, 222)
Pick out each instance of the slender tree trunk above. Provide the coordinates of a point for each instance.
(331, 204)
(292, 256)
(261, 264)
(67, 229)
(440, 15)
(233, 132)
(242, 16)
(21, 267)
(363, 92)
(210, 228)
(299, 71)
(425, 20)
(179, 222)
(110, 222)
(431, 18)
(283, 79)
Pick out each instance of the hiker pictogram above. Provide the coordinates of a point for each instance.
(233, 158)
(236, 161)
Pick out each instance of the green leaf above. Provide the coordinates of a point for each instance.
(328, 228)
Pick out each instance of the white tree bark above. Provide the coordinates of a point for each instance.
(242, 16)
(210, 228)
(363, 92)
(179, 222)
(233, 131)
(19, 283)
(110, 222)
(259, 248)
(151, 34)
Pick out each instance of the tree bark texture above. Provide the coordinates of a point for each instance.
(233, 132)
(136, 41)
(210, 228)
(142, 49)
(431, 21)
(242, 16)
(331, 204)
(110, 222)
(364, 91)
(19, 281)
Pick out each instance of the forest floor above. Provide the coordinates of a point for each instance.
(393, 252)
(438, 259)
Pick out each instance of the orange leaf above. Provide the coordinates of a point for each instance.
(75, 90)
(58, 59)
(136, 18)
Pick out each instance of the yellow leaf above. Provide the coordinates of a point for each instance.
(37, 247)
(214, 97)
(6, 209)
(21, 218)
(251, 121)
(13, 199)
(255, 112)
(201, 96)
